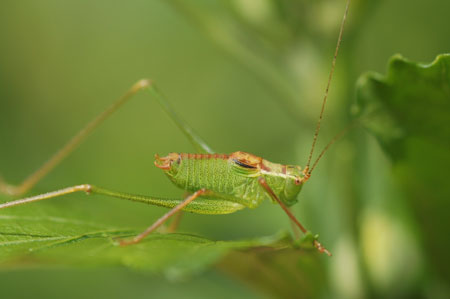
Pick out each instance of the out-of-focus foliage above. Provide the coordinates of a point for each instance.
(286, 273)
(247, 75)
(411, 102)
(408, 110)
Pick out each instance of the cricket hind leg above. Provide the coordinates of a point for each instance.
(175, 211)
(91, 189)
(78, 188)
(176, 205)
(144, 84)
(272, 194)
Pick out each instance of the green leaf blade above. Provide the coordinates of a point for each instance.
(408, 112)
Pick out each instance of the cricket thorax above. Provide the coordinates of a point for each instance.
(233, 177)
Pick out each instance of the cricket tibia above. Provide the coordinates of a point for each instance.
(75, 141)
(202, 205)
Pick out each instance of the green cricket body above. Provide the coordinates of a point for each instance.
(233, 177)
(220, 183)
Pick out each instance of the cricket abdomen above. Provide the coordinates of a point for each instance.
(231, 177)
(204, 171)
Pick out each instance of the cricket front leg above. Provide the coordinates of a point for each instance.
(164, 218)
(295, 228)
(272, 194)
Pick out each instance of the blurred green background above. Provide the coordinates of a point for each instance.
(251, 80)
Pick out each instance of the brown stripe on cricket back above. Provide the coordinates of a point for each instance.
(214, 156)
(203, 156)
(246, 160)
(242, 159)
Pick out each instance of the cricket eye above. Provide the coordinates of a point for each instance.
(298, 180)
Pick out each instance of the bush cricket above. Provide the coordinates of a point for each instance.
(217, 183)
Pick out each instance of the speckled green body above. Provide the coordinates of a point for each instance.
(233, 177)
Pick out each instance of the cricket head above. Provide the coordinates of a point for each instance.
(295, 178)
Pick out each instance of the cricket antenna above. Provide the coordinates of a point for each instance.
(307, 170)
(335, 138)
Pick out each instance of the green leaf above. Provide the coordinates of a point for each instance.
(286, 273)
(44, 240)
(408, 112)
